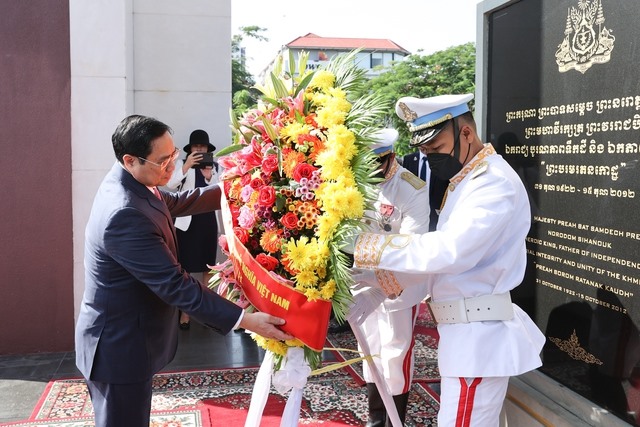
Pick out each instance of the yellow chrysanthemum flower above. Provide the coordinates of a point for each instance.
(274, 346)
(297, 253)
(306, 278)
(338, 104)
(312, 294)
(322, 79)
(328, 117)
(318, 252)
(319, 99)
(294, 343)
(332, 167)
(346, 179)
(340, 135)
(321, 271)
(291, 131)
(351, 202)
(328, 289)
(326, 226)
(336, 92)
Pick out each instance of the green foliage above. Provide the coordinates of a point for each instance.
(244, 96)
(450, 71)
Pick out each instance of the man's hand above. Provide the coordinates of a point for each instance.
(364, 303)
(264, 325)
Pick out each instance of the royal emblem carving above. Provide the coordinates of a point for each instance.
(586, 40)
(573, 348)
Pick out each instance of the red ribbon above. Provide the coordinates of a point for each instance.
(306, 320)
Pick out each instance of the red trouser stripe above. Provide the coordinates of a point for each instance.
(406, 363)
(465, 404)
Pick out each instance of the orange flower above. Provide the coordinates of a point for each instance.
(311, 120)
(271, 241)
(291, 160)
(286, 263)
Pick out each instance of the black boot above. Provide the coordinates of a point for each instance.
(377, 412)
(401, 401)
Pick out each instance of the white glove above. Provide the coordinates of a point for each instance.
(363, 279)
(347, 240)
(364, 303)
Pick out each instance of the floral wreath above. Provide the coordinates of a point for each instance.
(297, 180)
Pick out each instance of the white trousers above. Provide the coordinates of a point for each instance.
(390, 335)
(471, 402)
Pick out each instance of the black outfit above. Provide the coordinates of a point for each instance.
(198, 245)
(437, 187)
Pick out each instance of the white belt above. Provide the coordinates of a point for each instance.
(476, 309)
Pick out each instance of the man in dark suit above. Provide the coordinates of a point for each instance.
(417, 164)
(127, 328)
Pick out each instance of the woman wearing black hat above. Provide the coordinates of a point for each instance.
(197, 235)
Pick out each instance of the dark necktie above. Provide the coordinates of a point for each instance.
(423, 169)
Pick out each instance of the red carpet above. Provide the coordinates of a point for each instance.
(221, 398)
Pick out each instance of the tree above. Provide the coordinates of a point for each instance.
(243, 94)
(450, 71)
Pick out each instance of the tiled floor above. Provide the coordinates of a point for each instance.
(24, 378)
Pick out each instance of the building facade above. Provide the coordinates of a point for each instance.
(374, 55)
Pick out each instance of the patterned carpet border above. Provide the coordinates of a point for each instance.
(330, 399)
(180, 418)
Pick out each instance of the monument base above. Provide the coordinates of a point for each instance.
(535, 400)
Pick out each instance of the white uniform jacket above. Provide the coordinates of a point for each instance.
(477, 249)
(401, 208)
(176, 184)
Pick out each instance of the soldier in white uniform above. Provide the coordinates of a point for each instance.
(473, 259)
(402, 207)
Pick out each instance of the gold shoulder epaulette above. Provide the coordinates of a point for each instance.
(415, 182)
(480, 169)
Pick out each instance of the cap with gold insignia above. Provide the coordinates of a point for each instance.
(431, 114)
(383, 141)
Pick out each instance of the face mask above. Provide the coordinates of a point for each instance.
(445, 166)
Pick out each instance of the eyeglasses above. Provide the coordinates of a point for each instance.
(165, 163)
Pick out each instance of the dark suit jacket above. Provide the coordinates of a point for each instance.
(437, 187)
(127, 328)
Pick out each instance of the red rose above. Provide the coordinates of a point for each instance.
(290, 221)
(270, 164)
(303, 170)
(268, 262)
(256, 183)
(266, 196)
(241, 234)
(245, 179)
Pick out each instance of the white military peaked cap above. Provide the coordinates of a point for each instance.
(425, 113)
(383, 141)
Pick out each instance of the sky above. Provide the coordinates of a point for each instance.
(430, 25)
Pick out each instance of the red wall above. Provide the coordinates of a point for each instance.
(36, 253)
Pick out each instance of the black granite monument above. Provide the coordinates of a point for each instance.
(564, 110)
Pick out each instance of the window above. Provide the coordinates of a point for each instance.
(376, 59)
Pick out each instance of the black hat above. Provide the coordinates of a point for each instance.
(199, 137)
